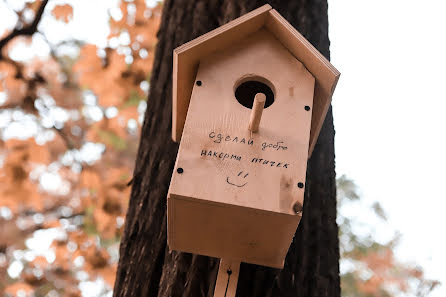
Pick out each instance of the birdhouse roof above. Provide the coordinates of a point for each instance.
(186, 59)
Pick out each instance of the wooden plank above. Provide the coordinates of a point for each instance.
(227, 278)
(325, 73)
(187, 57)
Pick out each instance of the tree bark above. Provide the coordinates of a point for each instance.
(146, 266)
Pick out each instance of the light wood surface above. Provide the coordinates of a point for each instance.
(187, 57)
(227, 278)
(246, 201)
(256, 112)
(325, 73)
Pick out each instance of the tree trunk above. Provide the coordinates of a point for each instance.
(146, 266)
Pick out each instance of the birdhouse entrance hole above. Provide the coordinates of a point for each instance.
(247, 88)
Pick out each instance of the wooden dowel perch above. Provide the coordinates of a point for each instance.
(227, 278)
(256, 113)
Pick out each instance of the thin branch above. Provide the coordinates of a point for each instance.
(26, 30)
(11, 105)
(64, 67)
(69, 143)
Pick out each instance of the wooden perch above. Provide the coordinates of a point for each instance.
(256, 113)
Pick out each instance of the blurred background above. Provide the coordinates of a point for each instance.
(73, 89)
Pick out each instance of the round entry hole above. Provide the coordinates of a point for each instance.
(247, 90)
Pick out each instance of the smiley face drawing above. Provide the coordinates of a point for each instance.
(240, 180)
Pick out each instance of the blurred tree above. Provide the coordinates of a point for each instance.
(369, 268)
(70, 112)
(146, 266)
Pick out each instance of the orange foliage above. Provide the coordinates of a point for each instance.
(103, 77)
(63, 12)
(16, 288)
(18, 191)
(9, 82)
(52, 181)
(383, 264)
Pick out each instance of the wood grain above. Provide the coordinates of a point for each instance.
(325, 73)
(227, 278)
(188, 56)
(247, 185)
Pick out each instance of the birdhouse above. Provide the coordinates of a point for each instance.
(249, 100)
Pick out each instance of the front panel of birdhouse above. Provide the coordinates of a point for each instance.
(236, 194)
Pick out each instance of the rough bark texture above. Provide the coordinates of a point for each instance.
(146, 266)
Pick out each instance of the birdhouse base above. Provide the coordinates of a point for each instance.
(229, 231)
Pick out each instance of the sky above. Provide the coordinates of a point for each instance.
(389, 112)
(389, 109)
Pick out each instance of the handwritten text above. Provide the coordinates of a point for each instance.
(220, 155)
(219, 138)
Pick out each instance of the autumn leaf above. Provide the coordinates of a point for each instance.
(19, 289)
(17, 190)
(63, 12)
(11, 84)
(112, 139)
(103, 76)
(52, 93)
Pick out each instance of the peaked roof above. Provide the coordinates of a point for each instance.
(186, 59)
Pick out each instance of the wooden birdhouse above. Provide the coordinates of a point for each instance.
(249, 100)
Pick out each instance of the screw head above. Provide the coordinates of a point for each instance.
(300, 185)
(307, 108)
(180, 170)
(199, 83)
(229, 271)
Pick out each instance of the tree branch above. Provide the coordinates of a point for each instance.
(26, 30)
(67, 140)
